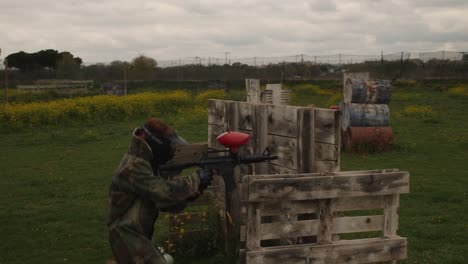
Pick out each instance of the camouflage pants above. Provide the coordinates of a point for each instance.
(131, 247)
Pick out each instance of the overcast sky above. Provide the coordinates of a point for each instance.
(107, 30)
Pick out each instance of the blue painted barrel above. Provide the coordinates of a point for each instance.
(355, 91)
(383, 91)
(367, 91)
(364, 115)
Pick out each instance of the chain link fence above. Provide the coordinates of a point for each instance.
(336, 59)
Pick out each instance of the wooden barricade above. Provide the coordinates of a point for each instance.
(316, 206)
(273, 93)
(304, 139)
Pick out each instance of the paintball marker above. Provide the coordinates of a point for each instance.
(224, 161)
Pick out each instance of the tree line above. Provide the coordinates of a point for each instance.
(48, 64)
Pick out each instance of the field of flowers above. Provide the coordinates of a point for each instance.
(104, 107)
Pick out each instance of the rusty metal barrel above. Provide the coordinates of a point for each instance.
(378, 138)
(367, 91)
(364, 115)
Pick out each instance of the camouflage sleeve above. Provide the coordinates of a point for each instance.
(164, 193)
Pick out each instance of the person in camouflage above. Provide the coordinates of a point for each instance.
(138, 192)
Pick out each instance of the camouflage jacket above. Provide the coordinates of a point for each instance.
(136, 194)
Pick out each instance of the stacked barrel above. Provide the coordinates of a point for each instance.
(365, 114)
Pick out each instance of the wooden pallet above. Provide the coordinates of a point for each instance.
(320, 207)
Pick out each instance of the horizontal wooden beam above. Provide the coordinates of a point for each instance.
(311, 206)
(344, 251)
(340, 225)
(323, 187)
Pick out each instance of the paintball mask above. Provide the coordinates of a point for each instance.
(163, 147)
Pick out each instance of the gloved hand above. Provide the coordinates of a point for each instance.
(206, 176)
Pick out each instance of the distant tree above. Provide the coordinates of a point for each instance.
(465, 57)
(20, 60)
(68, 67)
(143, 68)
(47, 58)
(44, 59)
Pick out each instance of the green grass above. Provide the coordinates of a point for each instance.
(54, 182)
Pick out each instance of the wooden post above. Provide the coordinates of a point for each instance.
(306, 140)
(325, 214)
(260, 135)
(391, 203)
(253, 227)
(252, 90)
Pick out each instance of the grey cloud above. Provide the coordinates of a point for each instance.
(107, 30)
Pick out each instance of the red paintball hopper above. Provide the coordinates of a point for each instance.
(233, 140)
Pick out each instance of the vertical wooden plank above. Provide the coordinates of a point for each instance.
(276, 89)
(253, 227)
(213, 132)
(216, 112)
(337, 126)
(260, 135)
(325, 214)
(391, 204)
(305, 140)
(252, 87)
(246, 113)
(282, 120)
(232, 115)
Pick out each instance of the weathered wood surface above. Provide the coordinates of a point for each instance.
(306, 147)
(325, 216)
(285, 97)
(326, 152)
(306, 188)
(286, 150)
(282, 120)
(217, 112)
(277, 169)
(246, 115)
(327, 165)
(390, 223)
(260, 136)
(213, 132)
(266, 97)
(344, 251)
(253, 227)
(252, 87)
(331, 225)
(298, 135)
(327, 126)
(276, 93)
(310, 205)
